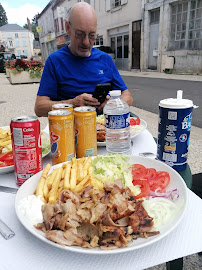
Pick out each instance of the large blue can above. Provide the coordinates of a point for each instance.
(174, 127)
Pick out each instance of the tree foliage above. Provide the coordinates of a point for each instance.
(3, 17)
(33, 26)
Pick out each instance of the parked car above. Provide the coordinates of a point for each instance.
(106, 49)
(23, 56)
(4, 56)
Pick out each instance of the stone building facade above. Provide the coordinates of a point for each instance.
(162, 35)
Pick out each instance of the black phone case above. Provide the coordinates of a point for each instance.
(101, 91)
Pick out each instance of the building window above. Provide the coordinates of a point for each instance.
(24, 43)
(155, 17)
(56, 25)
(25, 52)
(10, 43)
(119, 47)
(18, 52)
(23, 34)
(17, 43)
(117, 3)
(16, 35)
(186, 26)
(9, 35)
(87, 1)
(62, 24)
(99, 41)
(126, 38)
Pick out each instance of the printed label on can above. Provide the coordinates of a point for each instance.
(117, 121)
(173, 136)
(85, 132)
(61, 126)
(27, 152)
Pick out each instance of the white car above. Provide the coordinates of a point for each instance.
(106, 49)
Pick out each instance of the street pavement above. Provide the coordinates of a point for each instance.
(16, 100)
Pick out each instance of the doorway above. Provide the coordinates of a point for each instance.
(136, 41)
(153, 39)
(119, 45)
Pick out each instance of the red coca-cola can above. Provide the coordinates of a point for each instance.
(26, 144)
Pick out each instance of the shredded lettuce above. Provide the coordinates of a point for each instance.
(111, 167)
(45, 141)
(100, 118)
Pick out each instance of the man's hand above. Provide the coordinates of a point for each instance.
(85, 100)
(100, 108)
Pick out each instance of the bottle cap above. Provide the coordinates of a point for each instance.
(115, 93)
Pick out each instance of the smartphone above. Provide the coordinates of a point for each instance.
(101, 91)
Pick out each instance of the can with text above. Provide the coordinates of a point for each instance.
(175, 116)
(26, 145)
(85, 131)
(63, 106)
(61, 127)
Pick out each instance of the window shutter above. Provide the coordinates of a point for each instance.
(107, 5)
(123, 2)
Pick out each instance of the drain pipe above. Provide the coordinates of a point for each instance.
(162, 26)
(142, 38)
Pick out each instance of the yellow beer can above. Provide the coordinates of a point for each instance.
(63, 106)
(61, 127)
(85, 131)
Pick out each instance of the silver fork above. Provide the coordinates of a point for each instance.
(148, 154)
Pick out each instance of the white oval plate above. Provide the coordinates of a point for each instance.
(9, 169)
(134, 131)
(176, 182)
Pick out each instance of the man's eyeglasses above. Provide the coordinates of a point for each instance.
(82, 35)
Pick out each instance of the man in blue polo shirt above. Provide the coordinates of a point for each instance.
(71, 74)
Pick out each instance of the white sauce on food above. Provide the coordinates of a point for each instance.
(30, 207)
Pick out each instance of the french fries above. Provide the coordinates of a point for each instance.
(53, 195)
(41, 183)
(73, 175)
(5, 140)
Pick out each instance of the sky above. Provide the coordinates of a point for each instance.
(17, 11)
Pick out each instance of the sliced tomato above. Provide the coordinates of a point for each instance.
(6, 159)
(160, 182)
(151, 174)
(6, 156)
(137, 121)
(132, 122)
(138, 171)
(4, 164)
(144, 186)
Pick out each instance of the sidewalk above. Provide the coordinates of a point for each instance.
(160, 75)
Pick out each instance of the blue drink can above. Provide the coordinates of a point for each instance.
(174, 127)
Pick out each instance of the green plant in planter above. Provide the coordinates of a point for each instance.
(7, 64)
(18, 65)
(34, 67)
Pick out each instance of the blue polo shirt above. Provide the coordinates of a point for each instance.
(66, 76)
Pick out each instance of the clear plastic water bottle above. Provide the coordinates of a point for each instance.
(117, 124)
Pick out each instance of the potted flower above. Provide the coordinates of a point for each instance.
(35, 68)
(23, 71)
(7, 66)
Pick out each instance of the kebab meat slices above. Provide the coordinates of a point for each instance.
(108, 219)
